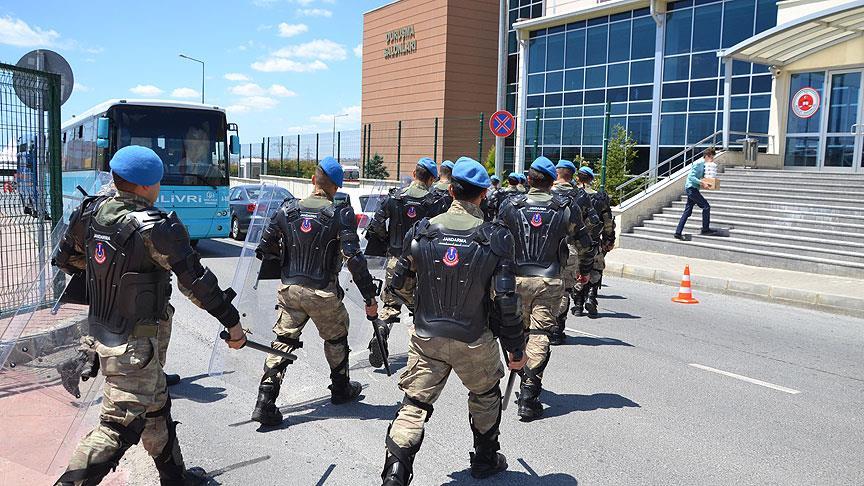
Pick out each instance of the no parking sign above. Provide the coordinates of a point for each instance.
(502, 124)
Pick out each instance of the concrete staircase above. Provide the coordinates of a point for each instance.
(808, 222)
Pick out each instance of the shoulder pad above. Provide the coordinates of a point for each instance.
(345, 214)
(421, 228)
(500, 238)
(395, 193)
(518, 199)
(560, 199)
(148, 217)
(170, 237)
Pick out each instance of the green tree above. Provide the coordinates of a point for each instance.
(619, 161)
(375, 168)
(490, 161)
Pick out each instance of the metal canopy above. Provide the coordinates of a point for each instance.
(789, 42)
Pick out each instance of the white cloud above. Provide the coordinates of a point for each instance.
(81, 87)
(280, 65)
(352, 120)
(314, 12)
(251, 104)
(146, 90)
(236, 77)
(281, 91)
(290, 30)
(248, 89)
(185, 93)
(358, 50)
(16, 32)
(323, 49)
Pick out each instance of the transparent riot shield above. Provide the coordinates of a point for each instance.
(45, 407)
(255, 283)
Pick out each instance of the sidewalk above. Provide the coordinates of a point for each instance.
(840, 295)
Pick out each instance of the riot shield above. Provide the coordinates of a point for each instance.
(45, 407)
(255, 283)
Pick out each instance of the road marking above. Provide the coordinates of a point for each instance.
(583, 333)
(747, 379)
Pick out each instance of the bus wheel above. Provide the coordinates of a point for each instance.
(194, 243)
(235, 229)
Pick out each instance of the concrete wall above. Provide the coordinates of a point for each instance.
(301, 188)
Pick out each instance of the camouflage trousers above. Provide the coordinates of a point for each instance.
(430, 360)
(599, 266)
(134, 391)
(571, 272)
(393, 307)
(297, 304)
(541, 299)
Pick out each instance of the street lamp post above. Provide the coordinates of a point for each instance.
(333, 140)
(184, 56)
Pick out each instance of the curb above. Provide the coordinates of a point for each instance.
(835, 304)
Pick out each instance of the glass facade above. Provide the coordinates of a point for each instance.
(574, 69)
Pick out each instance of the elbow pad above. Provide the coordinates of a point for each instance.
(64, 254)
(586, 262)
(362, 278)
(511, 331)
(401, 274)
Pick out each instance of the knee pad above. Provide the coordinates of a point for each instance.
(426, 407)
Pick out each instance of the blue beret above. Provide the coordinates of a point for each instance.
(495, 178)
(522, 177)
(333, 170)
(429, 165)
(544, 166)
(586, 170)
(514, 175)
(471, 172)
(449, 164)
(138, 165)
(566, 164)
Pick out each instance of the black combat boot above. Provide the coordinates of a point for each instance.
(486, 460)
(557, 336)
(172, 474)
(591, 303)
(342, 390)
(375, 357)
(172, 380)
(266, 412)
(395, 472)
(579, 302)
(530, 407)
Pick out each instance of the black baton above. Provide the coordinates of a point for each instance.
(509, 389)
(260, 347)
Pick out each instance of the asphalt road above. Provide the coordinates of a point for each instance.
(730, 391)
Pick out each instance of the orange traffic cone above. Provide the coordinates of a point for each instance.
(685, 293)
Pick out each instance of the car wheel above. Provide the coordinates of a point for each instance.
(194, 243)
(235, 229)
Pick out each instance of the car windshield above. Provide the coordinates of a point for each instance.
(278, 193)
(191, 143)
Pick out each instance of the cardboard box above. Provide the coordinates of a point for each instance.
(712, 183)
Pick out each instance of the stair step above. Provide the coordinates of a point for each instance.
(741, 241)
(747, 256)
(806, 213)
(793, 174)
(825, 185)
(694, 224)
(804, 198)
(769, 204)
(848, 192)
(793, 219)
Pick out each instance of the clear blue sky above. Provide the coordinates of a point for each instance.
(278, 66)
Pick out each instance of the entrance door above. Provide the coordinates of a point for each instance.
(843, 130)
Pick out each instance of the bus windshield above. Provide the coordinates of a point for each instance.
(190, 142)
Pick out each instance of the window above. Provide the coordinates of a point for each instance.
(676, 68)
(704, 65)
(706, 27)
(555, 52)
(796, 124)
(619, 41)
(596, 45)
(618, 74)
(642, 72)
(595, 77)
(555, 81)
(672, 129)
(573, 79)
(678, 31)
(644, 37)
(536, 55)
(575, 53)
(737, 21)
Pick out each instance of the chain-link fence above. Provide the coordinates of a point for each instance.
(30, 185)
(388, 150)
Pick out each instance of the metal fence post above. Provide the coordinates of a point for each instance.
(398, 149)
(435, 146)
(480, 140)
(262, 158)
(536, 133)
(363, 151)
(298, 156)
(316, 147)
(281, 154)
(606, 147)
(339, 147)
(369, 147)
(55, 167)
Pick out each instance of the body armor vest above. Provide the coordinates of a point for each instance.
(454, 271)
(125, 286)
(600, 201)
(583, 200)
(404, 212)
(310, 245)
(539, 231)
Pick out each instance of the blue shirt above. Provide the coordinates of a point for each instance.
(697, 172)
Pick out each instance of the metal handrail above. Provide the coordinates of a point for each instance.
(642, 182)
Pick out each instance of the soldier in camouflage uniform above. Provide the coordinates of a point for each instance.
(442, 187)
(395, 217)
(604, 239)
(127, 249)
(540, 222)
(309, 239)
(573, 280)
(465, 297)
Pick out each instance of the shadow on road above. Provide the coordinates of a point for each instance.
(321, 409)
(611, 297)
(514, 477)
(609, 314)
(397, 362)
(217, 249)
(566, 403)
(211, 481)
(591, 341)
(189, 390)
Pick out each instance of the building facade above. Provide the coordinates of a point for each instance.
(655, 62)
(430, 68)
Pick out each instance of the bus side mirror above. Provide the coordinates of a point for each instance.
(102, 132)
(235, 145)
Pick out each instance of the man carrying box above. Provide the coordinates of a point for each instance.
(696, 181)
